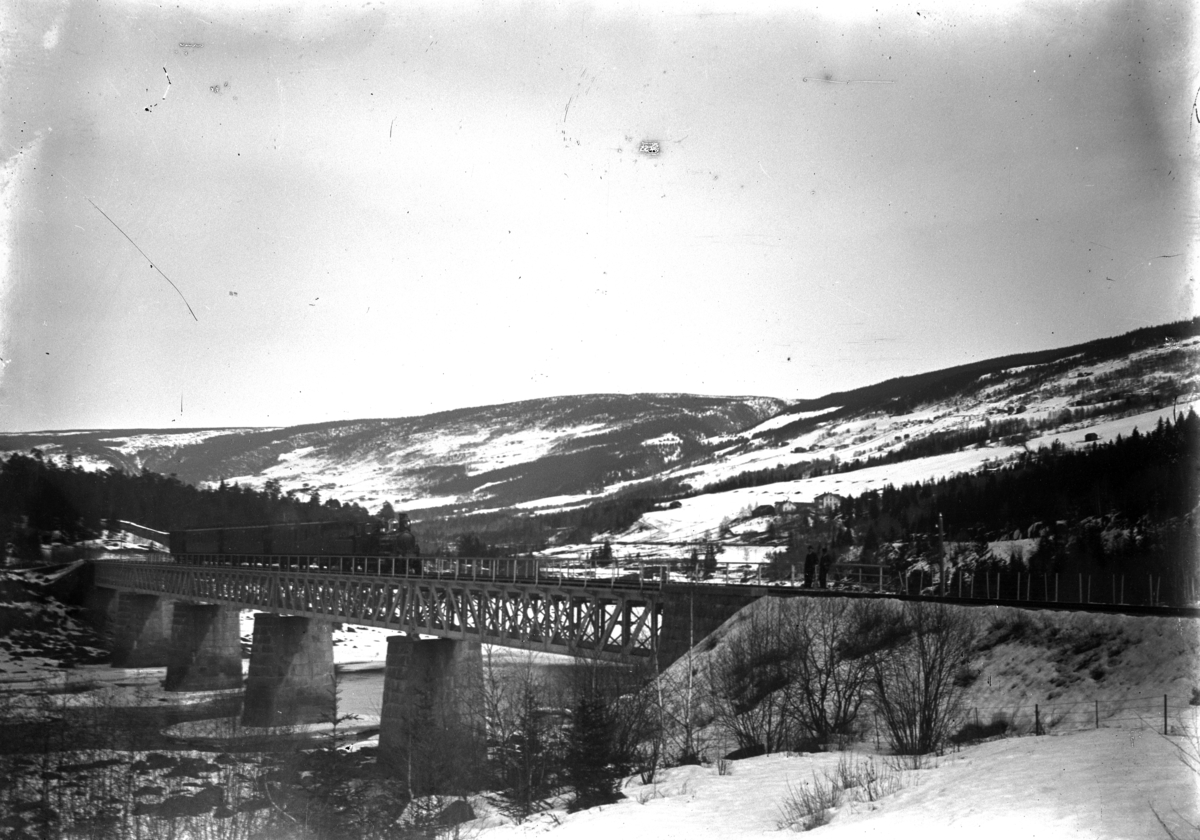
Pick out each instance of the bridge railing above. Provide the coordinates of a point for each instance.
(538, 571)
(960, 584)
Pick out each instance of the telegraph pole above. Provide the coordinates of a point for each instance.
(941, 558)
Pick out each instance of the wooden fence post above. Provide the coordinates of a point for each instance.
(1165, 715)
(1037, 720)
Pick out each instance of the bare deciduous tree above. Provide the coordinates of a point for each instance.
(828, 674)
(749, 680)
(920, 653)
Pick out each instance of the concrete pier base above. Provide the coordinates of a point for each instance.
(100, 610)
(291, 672)
(430, 731)
(141, 631)
(689, 616)
(206, 654)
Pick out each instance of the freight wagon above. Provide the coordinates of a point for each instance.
(312, 539)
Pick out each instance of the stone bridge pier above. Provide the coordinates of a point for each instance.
(141, 630)
(291, 679)
(198, 643)
(163, 614)
(432, 721)
(205, 652)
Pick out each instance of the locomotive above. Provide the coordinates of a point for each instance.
(390, 538)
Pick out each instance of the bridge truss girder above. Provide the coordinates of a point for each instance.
(556, 618)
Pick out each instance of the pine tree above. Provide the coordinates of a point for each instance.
(589, 767)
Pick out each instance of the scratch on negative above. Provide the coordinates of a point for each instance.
(850, 81)
(567, 109)
(147, 256)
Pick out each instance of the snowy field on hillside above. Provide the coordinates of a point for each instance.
(780, 420)
(134, 444)
(1105, 783)
(373, 481)
(878, 434)
(699, 515)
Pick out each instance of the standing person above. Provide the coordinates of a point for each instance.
(825, 562)
(810, 566)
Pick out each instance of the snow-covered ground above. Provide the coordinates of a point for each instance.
(1102, 772)
(1105, 783)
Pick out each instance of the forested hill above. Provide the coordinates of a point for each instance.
(1126, 506)
(39, 499)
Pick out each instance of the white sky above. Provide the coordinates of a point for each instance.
(384, 210)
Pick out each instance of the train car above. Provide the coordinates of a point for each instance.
(196, 541)
(244, 540)
(306, 539)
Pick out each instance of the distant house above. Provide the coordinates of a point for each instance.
(786, 507)
(763, 510)
(1091, 436)
(828, 501)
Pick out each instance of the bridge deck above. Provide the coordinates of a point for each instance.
(616, 620)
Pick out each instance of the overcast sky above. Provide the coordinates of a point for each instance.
(383, 210)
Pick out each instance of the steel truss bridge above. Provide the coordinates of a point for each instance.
(524, 603)
(498, 602)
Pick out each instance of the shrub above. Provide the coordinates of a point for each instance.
(828, 676)
(974, 732)
(750, 682)
(806, 807)
(916, 690)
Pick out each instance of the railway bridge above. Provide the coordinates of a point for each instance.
(182, 612)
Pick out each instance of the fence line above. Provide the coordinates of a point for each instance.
(1160, 713)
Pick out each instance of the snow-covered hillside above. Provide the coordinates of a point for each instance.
(1103, 771)
(562, 452)
(502, 455)
(701, 515)
(1046, 397)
